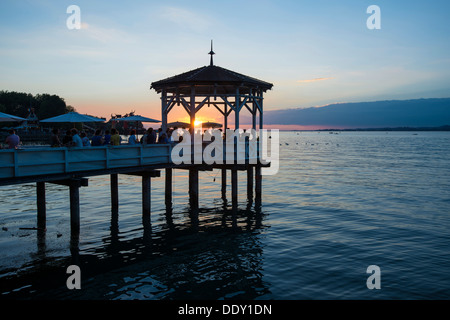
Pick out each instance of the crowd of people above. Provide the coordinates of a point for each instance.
(73, 138)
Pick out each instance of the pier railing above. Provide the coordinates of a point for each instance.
(47, 160)
(38, 161)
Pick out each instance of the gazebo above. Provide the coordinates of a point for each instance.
(228, 92)
(211, 85)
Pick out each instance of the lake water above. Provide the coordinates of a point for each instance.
(340, 203)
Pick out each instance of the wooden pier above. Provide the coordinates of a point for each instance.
(72, 167)
(210, 86)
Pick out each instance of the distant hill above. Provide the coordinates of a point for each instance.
(378, 114)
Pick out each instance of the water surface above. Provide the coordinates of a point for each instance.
(340, 203)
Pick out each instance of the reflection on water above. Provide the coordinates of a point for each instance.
(180, 255)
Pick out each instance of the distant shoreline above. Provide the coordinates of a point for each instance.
(440, 128)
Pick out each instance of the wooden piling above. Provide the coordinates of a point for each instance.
(234, 187)
(168, 186)
(74, 189)
(114, 192)
(224, 183)
(258, 182)
(146, 194)
(41, 206)
(193, 187)
(250, 183)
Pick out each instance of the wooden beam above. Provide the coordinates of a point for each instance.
(217, 107)
(74, 190)
(164, 110)
(114, 186)
(168, 191)
(237, 110)
(224, 183)
(185, 105)
(146, 195)
(227, 102)
(149, 173)
(193, 188)
(41, 206)
(79, 182)
(250, 183)
(201, 104)
(258, 182)
(234, 187)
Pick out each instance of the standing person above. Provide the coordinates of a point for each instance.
(107, 137)
(67, 139)
(97, 139)
(163, 139)
(115, 137)
(76, 140)
(159, 134)
(132, 138)
(12, 140)
(151, 136)
(144, 138)
(54, 139)
(85, 139)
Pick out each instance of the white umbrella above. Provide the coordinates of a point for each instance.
(211, 125)
(136, 118)
(73, 117)
(178, 124)
(4, 117)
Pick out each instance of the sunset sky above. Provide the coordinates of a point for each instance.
(314, 52)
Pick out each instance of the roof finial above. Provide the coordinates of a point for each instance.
(211, 53)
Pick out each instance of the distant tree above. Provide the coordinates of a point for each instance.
(16, 103)
(69, 108)
(49, 106)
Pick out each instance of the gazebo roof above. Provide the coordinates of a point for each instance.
(207, 77)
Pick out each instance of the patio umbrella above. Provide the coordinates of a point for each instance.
(4, 117)
(136, 118)
(211, 125)
(73, 117)
(178, 124)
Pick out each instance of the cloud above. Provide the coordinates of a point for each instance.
(185, 18)
(314, 80)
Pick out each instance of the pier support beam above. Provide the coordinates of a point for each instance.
(224, 183)
(146, 188)
(146, 195)
(250, 183)
(168, 186)
(114, 193)
(74, 190)
(41, 206)
(234, 187)
(193, 187)
(74, 208)
(258, 183)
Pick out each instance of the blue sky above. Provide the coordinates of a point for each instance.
(314, 52)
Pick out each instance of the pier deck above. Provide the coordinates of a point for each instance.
(72, 166)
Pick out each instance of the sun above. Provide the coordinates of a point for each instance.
(197, 123)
